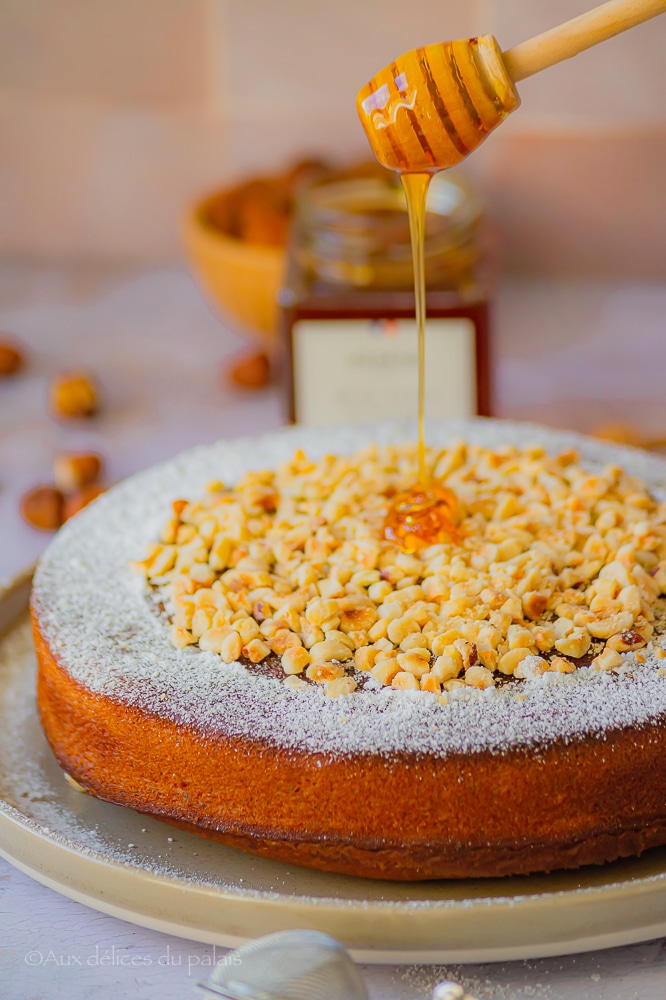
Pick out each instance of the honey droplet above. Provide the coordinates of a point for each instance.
(422, 516)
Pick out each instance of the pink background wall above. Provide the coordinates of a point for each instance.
(114, 114)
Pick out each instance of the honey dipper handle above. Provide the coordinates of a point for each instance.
(578, 34)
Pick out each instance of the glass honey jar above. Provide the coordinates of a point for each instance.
(348, 328)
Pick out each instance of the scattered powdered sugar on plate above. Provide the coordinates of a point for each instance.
(94, 615)
(478, 986)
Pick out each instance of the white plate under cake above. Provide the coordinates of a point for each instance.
(281, 677)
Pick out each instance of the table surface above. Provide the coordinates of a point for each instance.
(569, 354)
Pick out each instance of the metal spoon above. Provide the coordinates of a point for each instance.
(297, 965)
(289, 965)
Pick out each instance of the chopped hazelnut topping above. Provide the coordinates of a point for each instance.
(551, 564)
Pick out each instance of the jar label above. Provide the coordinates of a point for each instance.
(352, 370)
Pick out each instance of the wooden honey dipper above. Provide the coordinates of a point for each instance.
(434, 105)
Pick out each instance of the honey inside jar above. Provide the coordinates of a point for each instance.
(347, 303)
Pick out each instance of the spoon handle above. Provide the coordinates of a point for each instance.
(578, 34)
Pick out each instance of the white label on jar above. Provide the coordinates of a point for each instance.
(350, 370)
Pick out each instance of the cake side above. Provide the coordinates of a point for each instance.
(399, 816)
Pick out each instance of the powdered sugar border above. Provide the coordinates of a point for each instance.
(94, 616)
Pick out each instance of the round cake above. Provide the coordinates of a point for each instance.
(230, 643)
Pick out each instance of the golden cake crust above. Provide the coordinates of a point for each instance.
(590, 801)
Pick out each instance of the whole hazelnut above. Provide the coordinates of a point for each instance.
(43, 508)
(252, 372)
(11, 359)
(74, 395)
(77, 501)
(73, 470)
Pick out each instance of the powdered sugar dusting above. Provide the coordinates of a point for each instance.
(96, 619)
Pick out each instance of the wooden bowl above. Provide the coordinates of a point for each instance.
(241, 278)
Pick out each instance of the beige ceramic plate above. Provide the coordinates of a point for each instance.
(144, 871)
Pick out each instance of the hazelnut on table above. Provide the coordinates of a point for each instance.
(74, 470)
(43, 508)
(253, 371)
(11, 359)
(74, 395)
